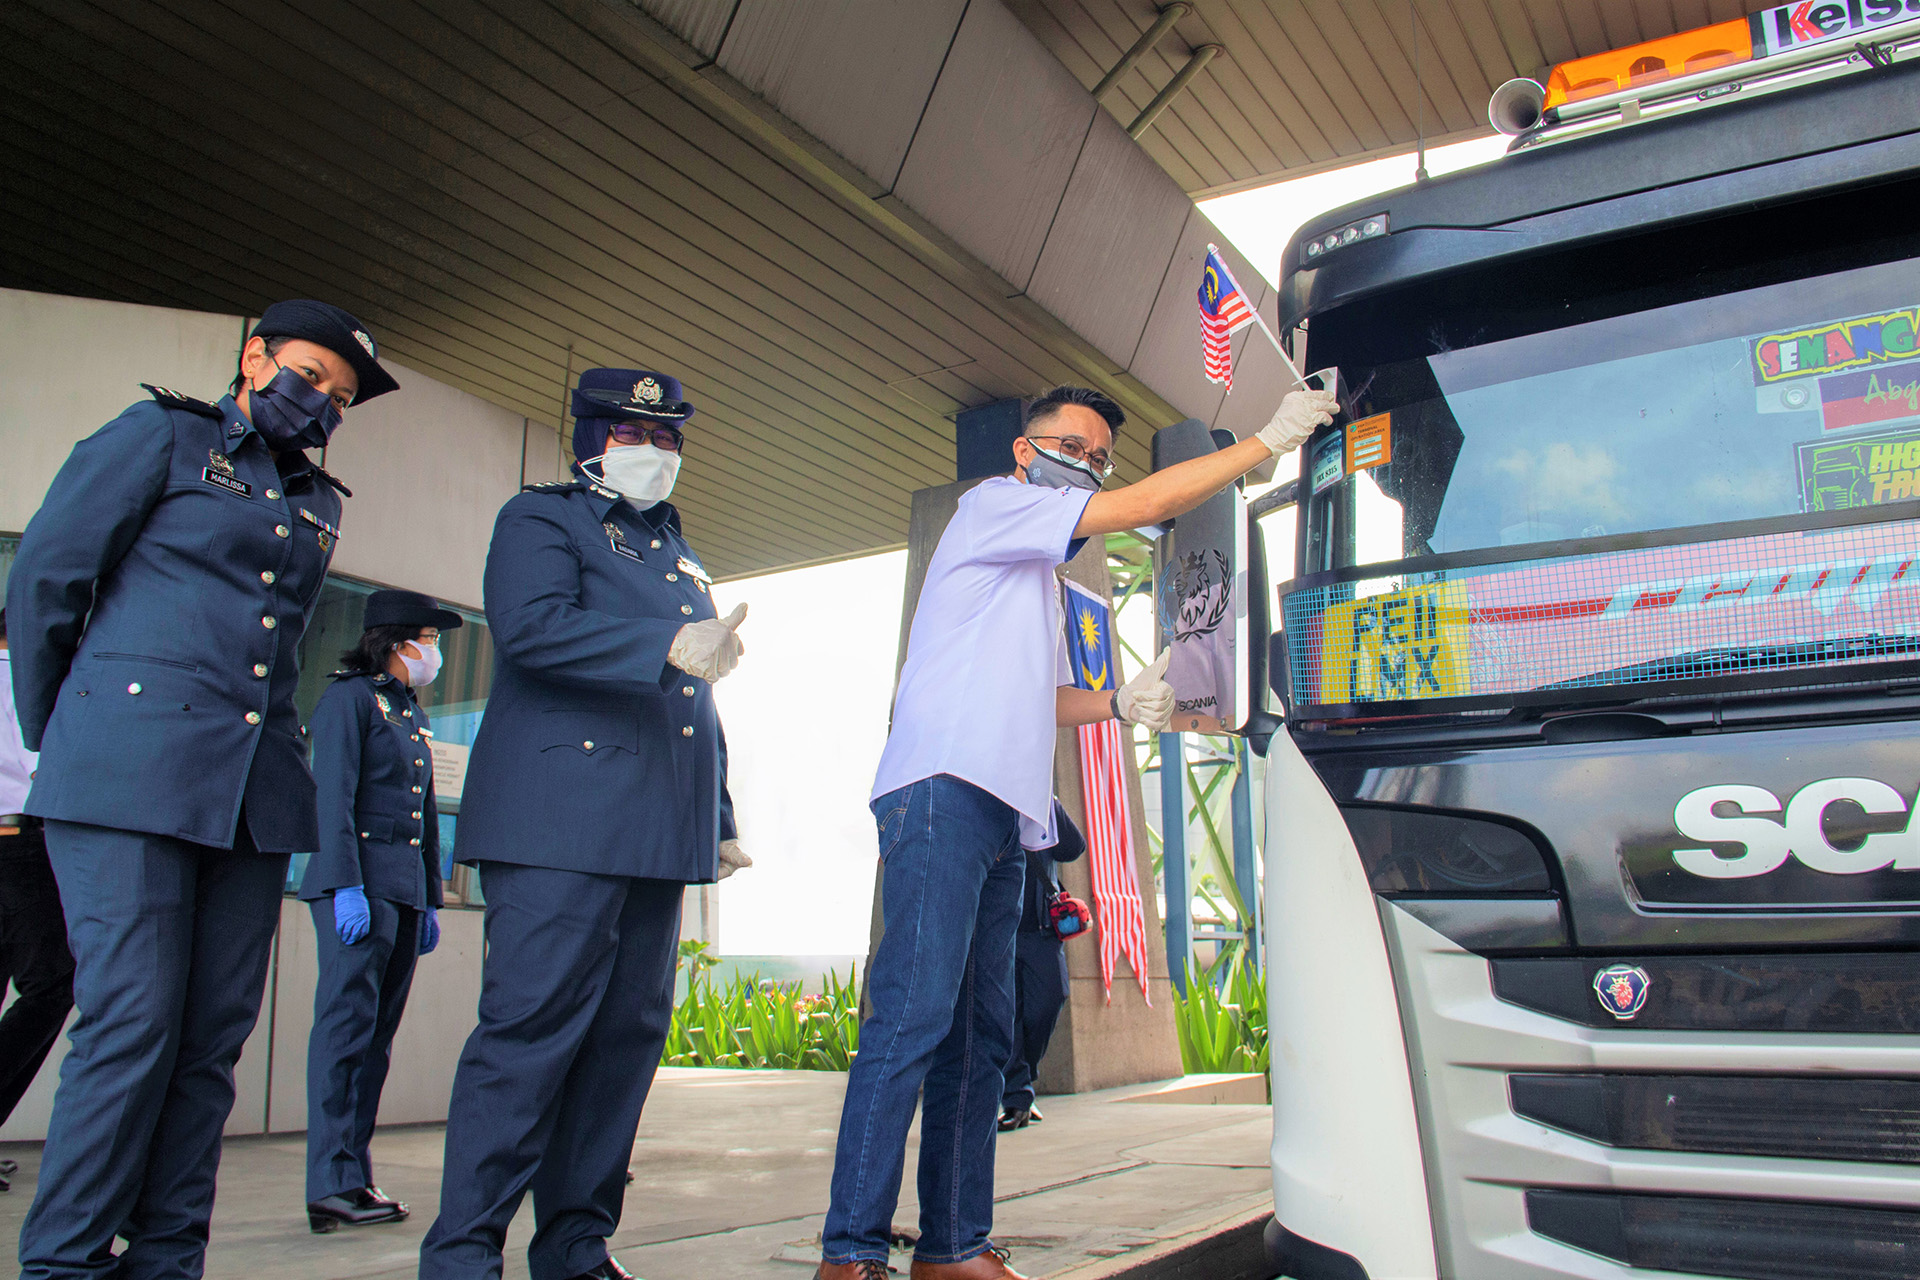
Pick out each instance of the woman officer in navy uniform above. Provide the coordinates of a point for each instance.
(156, 608)
(596, 792)
(374, 888)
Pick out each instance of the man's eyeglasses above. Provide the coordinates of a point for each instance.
(1073, 449)
(663, 438)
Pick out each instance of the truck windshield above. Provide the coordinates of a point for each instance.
(1737, 407)
(1525, 491)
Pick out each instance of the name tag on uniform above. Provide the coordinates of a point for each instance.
(618, 541)
(694, 571)
(219, 473)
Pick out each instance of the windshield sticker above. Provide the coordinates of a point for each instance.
(1405, 644)
(1839, 475)
(1764, 603)
(1370, 442)
(1327, 459)
(1840, 344)
(1869, 396)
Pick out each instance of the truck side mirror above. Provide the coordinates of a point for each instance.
(1210, 598)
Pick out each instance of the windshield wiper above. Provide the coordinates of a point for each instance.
(1737, 658)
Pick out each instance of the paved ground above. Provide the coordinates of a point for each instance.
(732, 1170)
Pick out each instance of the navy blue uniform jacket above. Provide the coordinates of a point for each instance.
(156, 608)
(595, 755)
(373, 763)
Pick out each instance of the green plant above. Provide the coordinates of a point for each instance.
(1222, 1019)
(751, 1022)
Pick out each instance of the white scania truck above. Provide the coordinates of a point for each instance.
(1592, 881)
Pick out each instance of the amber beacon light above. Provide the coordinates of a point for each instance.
(1720, 45)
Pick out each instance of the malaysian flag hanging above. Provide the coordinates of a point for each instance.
(1103, 779)
(1223, 312)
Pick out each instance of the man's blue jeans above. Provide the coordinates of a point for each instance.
(941, 989)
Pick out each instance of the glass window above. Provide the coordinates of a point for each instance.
(1755, 403)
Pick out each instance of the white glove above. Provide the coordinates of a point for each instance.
(732, 858)
(1147, 699)
(1296, 418)
(709, 649)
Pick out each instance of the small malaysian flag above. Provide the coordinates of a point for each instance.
(1223, 312)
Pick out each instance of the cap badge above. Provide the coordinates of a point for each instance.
(647, 391)
(221, 462)
(365, 341)
(1622, 989)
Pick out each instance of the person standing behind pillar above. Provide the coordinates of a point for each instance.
(965, 783)
(33, 936)
(374, 888)
(156, 606)
(596, 792)
(1039, 971)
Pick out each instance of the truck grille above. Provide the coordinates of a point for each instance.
(1816, 1118)
(1749, 1239)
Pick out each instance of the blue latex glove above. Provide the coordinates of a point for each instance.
(352, 917)
(429, 931)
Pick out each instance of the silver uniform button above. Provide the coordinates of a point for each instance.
(269, 622)
(587, 745)
(686, 691)
(268, 576)
(419, 763)
(673, 577)
(416, 791)
(686, 731)
(416, 813)
(133, 688)
(365, 836)
(414, 842)
(273, 495)
(280, 531)
(655, 544)
(253, 717)
(260, 670)
(407, 714)
(686, 608)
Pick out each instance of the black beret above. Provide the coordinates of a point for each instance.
(408, 609)
(338, 332)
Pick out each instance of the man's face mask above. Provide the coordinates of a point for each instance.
(1049, 470)
(291, 413)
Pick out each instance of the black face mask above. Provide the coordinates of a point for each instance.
(291, 413)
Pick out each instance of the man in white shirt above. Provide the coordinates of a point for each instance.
(33, 933)
(964, 786)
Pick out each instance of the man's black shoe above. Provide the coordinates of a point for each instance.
(361, 1208)
(1033, 1114)
(9, 1167)
(608, 1270)
(1015, 1118)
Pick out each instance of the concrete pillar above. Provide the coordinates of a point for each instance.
(1097, 1045)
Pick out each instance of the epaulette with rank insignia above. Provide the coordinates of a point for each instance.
(174, 400)
(324, 474)
(552, 486)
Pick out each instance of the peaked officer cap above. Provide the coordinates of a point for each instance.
(408, 609)
(606, 396)
(338, 332)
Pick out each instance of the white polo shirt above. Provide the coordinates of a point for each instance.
(16, 762)
(986, 653)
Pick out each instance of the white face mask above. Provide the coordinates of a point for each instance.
(642, 473)
(422, 670)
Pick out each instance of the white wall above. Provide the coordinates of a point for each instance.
(68, 366)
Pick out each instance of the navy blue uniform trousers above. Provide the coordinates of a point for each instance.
(1039, 993)
(575, 1002)
(356, 1009)
(170, 941)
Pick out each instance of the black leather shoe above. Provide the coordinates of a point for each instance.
(1015, 1118)
(608, 1270)
(1033, 1114)
(361, 1208)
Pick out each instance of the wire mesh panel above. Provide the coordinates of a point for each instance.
(1620, 619)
